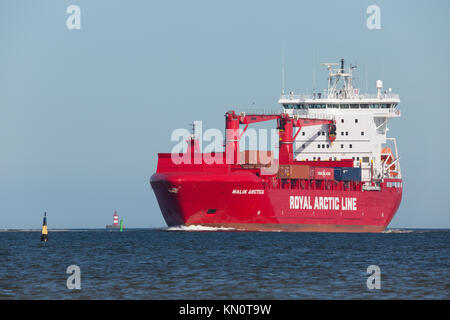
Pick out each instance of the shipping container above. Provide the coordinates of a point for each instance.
(351, 174)
(300, 172)
(292, 171)
(338, 174)
(323, 173)
(256, 157)
(284, 171)
(347, 174)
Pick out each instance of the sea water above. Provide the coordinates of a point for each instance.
(207, 263)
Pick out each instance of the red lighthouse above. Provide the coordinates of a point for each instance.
(115, 224)
(116, 219)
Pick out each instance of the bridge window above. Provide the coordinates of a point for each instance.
(350, 148)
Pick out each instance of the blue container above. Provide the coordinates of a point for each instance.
(351, 174)
(338, 174)
(347, 174)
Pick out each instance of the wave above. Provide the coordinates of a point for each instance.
(208, 228)
(397, 231)
(196, 228)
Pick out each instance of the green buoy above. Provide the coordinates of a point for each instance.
(121, 225)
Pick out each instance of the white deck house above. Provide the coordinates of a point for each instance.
(361, 124)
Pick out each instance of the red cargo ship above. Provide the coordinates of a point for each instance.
(324, 179)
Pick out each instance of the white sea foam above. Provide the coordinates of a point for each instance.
(207, 228)
(197, 228)
(397, 231)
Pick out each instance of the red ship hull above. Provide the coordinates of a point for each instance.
(243, 201)
(247, 194)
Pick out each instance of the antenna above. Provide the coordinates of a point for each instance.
(314, 70)
(365, 69)
(282, 70)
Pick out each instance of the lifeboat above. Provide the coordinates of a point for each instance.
(387, 158)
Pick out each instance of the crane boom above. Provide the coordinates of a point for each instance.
(285, 126)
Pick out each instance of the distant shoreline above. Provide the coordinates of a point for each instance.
(162, 228)
(74, 229)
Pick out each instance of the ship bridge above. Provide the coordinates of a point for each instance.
(344, 97)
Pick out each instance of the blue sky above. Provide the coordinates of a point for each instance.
(84, 112)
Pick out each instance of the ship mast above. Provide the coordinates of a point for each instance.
(334, 77)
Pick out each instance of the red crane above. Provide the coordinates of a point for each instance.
(285, 126)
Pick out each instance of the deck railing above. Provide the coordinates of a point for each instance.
(356, 97)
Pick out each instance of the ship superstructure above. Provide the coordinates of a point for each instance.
(361, 121)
